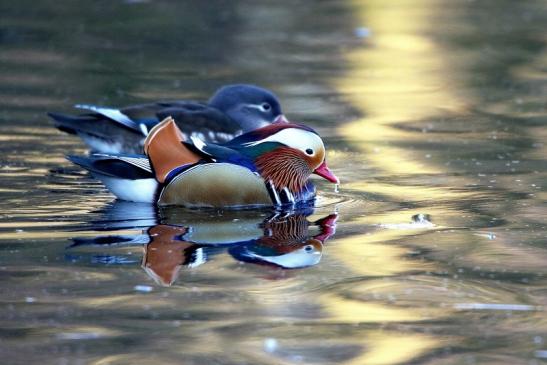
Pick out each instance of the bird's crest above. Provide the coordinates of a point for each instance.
(259, 135)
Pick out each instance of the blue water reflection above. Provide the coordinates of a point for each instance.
(284, 239)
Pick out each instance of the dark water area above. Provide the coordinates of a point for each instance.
(434, 250)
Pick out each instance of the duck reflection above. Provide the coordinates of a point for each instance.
(286, 240)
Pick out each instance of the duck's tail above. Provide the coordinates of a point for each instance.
(129, 177)
(73, 124)
(101, 134)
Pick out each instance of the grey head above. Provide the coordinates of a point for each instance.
(249, 106)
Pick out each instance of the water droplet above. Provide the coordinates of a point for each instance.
(362, 32)
(337, 188)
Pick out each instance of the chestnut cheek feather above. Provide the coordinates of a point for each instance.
(285, 167)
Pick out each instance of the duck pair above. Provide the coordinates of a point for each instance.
(237, 150)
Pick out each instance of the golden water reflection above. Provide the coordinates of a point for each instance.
(392, 79)
(403, 80)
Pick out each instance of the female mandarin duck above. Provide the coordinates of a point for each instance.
(231, 111)
(264, 167)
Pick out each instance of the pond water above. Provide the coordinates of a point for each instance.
(433, 251)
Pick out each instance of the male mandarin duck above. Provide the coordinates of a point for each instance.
(231, 111)
(264, 167)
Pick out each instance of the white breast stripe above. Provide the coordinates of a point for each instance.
(199, 144)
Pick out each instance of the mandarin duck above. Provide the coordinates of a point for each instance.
(231, 111)
(269, 166)
(281, 240)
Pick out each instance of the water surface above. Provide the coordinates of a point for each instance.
(433, 252)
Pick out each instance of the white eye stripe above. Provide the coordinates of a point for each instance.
(296, 138)
(264, 107)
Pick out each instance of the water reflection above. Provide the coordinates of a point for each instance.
(285, 239)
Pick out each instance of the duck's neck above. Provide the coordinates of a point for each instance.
(284, 168)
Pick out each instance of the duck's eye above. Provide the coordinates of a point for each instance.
(309, 151)
(266, 107)
(308, 248)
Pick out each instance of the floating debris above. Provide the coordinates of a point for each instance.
(488, 235)
(78, 335)
(496, 306)
(419, 221)
(421, 218)
(270, 345)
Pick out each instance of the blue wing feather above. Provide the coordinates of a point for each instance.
(224, 154)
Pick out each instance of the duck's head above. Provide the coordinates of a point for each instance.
(286, 154)
(251, 106)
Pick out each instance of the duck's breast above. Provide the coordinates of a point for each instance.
(216, 185)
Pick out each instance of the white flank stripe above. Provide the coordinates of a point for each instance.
(140, 191)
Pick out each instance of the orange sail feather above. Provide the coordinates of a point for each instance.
(164, 148)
